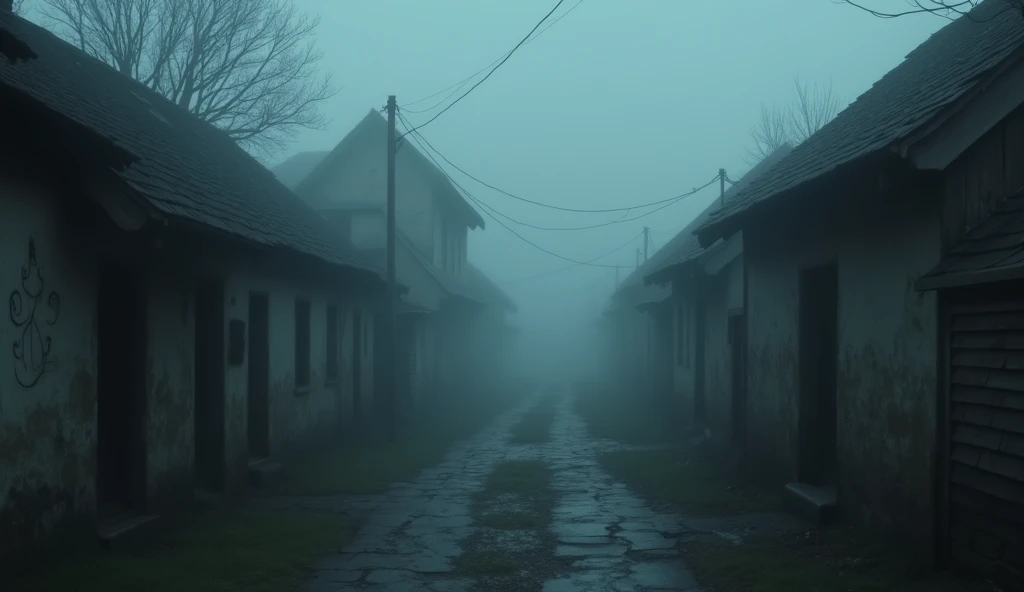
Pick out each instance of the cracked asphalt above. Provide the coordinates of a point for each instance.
(607, 537)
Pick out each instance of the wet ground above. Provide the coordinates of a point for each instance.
(597, 535)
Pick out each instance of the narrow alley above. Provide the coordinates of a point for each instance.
(425, 535)
(702, 296)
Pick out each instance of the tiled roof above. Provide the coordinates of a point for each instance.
(685, 246)
(932, 77)
(187, 170)
(993, 251)
(374, 122)
(292, 171)
(487, 288)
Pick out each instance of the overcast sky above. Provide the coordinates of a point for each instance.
(619, 103)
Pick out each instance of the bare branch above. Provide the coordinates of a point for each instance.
(771, 133)
(246, 66)
(949, 9)
(812, 107)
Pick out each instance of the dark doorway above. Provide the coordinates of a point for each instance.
(818, 358)
(209, 392)
(121, 396)
(738, 349)
(259, 375)
(357, 367)
(699, 403)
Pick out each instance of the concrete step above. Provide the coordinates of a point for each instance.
(813, 503)
(264, 471)
(127, 531)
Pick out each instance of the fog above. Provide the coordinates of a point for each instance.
(617, 103)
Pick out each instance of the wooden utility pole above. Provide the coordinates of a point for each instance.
(638, 256)
(647, 241)
(391, 324)
(721, 181)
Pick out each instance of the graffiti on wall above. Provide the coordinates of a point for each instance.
(32, 348)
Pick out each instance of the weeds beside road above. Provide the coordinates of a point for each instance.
(692, 482)
(269, 550)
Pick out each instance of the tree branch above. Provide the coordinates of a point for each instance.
(246, 66)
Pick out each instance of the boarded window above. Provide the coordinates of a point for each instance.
(332, 342)
(302, 331)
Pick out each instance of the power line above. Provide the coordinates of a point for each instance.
(620, 220)
(559, 208)
(458, 85)
(574, 266)
(493, 70)
(495, 218)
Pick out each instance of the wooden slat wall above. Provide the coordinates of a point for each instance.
(986, 173)
(986, 473)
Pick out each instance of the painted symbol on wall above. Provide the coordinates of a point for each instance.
(32, 349)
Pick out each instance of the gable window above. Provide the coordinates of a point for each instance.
(332, 343)
(302, 335)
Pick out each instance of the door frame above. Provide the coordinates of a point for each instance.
(810, 464)
(264, 379)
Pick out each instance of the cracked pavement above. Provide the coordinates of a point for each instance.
(607, 537)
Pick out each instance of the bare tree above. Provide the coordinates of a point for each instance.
(246, 66)
(812, 107)
(949, 9)
(771, 133)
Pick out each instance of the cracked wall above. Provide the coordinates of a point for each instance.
(886, 375)
(47, 431)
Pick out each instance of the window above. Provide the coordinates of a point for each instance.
(680, 332)
(444, 245)
(332, 343)
(302, 327)
(366, 337)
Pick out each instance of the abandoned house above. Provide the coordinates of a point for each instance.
(638, 323)
(451, 305)
(175, 311)
(883, 279)
(705, 322)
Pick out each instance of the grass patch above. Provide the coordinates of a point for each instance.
(371, 467)
(483, 563)
(535, 426)
(689, 480)
(514, 550)
(512, 520)
(521, 477)
(830, 559)
(623, 417)
(261, 551)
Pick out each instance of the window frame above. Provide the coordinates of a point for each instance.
(331, 346)
(303, 345)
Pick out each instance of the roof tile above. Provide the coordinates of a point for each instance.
(932, 77)
(186, 168)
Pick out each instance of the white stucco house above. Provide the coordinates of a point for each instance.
(174, 312)
(448, 302)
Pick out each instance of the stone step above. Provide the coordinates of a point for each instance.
(127, 531)
(813, 503)
(264, 471)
